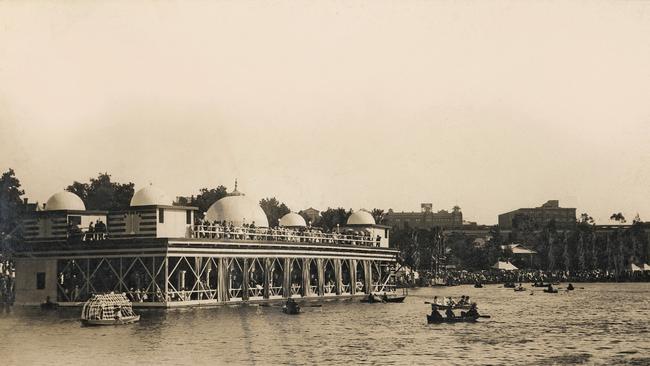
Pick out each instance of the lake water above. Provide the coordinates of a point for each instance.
(600, 324)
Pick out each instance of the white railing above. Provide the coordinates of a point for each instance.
(288, 235)
(295, 289)
(345, 289)
(329, 288)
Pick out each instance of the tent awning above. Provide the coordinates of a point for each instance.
(506, 266)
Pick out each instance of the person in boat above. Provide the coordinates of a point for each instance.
(467, 300)
(291, 305)
(550, 287)
(450, 313)
(435, 314)
(384, 297)
(472, 312)
(570, 287)
(462, 300)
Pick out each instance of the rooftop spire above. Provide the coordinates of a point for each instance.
(235, 192)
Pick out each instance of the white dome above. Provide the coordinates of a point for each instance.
(149, 196)
(292, 219)
(361, 218)
(65, 201)
(238, 209)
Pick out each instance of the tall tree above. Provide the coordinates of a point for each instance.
(379, 215)
(618, 217)
(332, 217)
(102, 194)
(11, 211)
(274, 210)
(206, 197)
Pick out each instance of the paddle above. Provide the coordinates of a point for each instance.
(485, 316)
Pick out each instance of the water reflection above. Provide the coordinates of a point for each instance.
(566, 328)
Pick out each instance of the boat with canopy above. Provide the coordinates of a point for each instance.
(108, 309)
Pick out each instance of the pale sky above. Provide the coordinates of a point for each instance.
(490, 105)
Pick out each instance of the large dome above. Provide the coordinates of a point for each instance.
(149, 196)
(292, 219)
(65, 201)
(238, 209)
(361, 218)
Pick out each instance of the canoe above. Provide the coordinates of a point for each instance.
(478, 285)
(49, 306)
(432, 320)
(119, 321)
(517, 289)
(550, 291)
(509, 285)
(540, 284)
(395, 299)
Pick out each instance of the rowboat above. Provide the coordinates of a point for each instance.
(114, 321)
(432, 320)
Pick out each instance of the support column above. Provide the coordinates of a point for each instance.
(246, 279)
(306, 285)
(353, 276)
(367, 270)
(166, 288)
(286, 283)
(223, 272)
(267, 277)
(321, 276)
(338, 275)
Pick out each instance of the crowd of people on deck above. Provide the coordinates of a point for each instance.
(227, 230)
(95, 231)
(460, 277)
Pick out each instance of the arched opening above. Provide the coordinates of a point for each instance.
(330, 277)
(235, 278)
(345, 276)
(361, 279)
(255, 278)
(276, 278)
(296, 277)
(313, 278)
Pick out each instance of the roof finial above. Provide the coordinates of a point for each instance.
(235, 184)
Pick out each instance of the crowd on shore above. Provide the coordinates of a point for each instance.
(460, 277)
(7, 283)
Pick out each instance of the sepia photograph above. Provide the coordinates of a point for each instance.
(326, 182)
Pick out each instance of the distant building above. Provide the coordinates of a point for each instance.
(426, 218)
(565, 218)
(312, 213)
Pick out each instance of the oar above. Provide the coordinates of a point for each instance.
(484, 316)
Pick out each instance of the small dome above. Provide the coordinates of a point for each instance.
(149, 196)
(361, 218)
(65, 201)
(238, 209)
(292, 219)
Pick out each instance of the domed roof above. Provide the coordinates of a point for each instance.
(292, 219)
(361, 218)
(149, 196)
(65, 201)
(238, 209)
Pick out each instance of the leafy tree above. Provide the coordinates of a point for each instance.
(586, 219)
(334, 216)
(11, 212)
(274, 210)
(618, 217)
(206, 198)
(102, 194)
(379, 215)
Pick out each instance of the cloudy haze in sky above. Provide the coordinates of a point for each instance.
(488, 105)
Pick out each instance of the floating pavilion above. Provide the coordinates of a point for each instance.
(159, 255)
